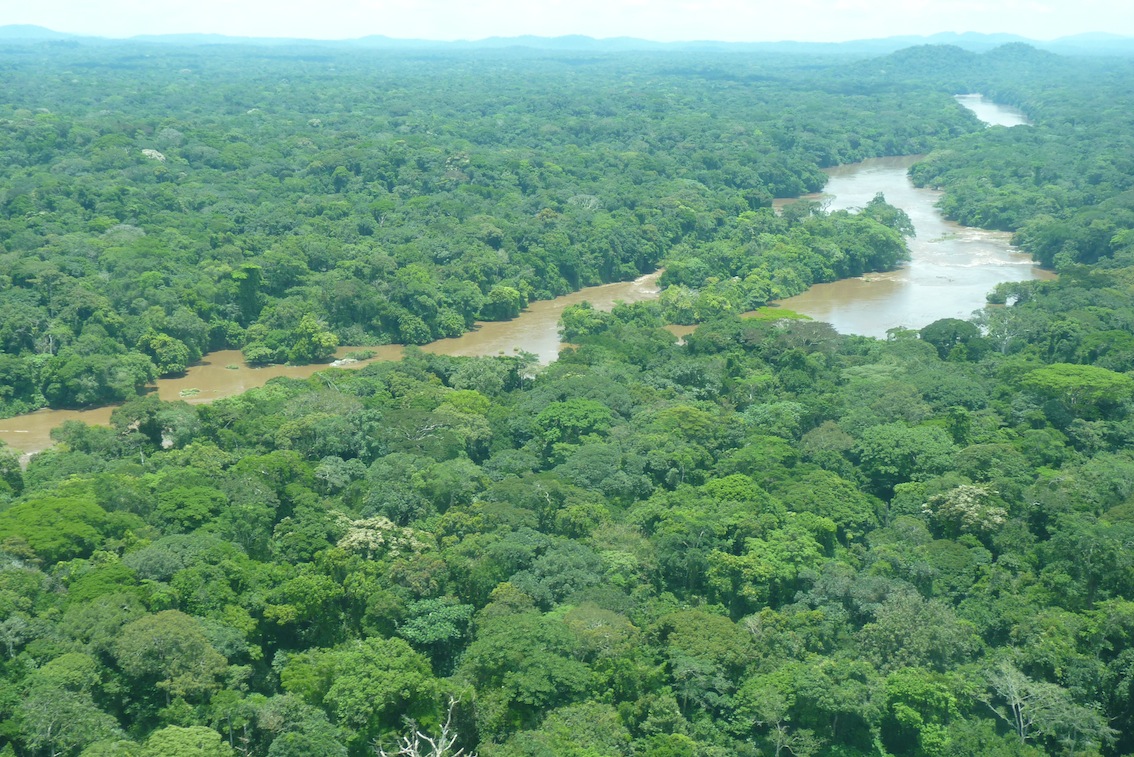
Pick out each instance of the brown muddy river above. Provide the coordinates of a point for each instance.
(224, 373)
(537, 328)
(952, 269)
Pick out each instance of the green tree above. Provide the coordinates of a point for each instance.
(194, 741)
(56, 527)
(366, 686)
(249, 298)
(1036, 710)
(61, 721)
(578, 730)
(965, 509)
(11, 474)
(503, 303)
(569, 421)
(170, 651)
(1084, 391)
(910, 631)
(894, 453)
(952, 336)
(171, 356)
(920, 705)
(521, 665)
(311, 341)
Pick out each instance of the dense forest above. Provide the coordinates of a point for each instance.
(156, 208)
(764, 539)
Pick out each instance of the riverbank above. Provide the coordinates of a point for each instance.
(951, 268)
(225, 374)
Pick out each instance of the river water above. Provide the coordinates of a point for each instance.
(952, 269)
(224, 373)
(537, 328)
(992, 113)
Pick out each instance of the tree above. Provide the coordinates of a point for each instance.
(577, 730)
(763, 705)
(1036, 710)
(567, 422)
(920, 705)
(583, 320)
(909, 631)
(171, 356)
(297, 729)
(894, 453)
(504, 303)
(830, 496)
(311, 341)
(417, 744)
(804, 704)
(888, 215)
(11, 475)
(183, 508)
(563, 569)
(194, 741)
(169, 650)
(436, 625)
(72, 379)
(112, 748)
(161, 423)
(62, 721)
(965, 509)
(770, 568)
(249, 298)
(55, 527)
(367, 686)
(953, 336)
(1084, 391)
(521, 665)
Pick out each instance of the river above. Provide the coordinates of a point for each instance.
(224, 373)
(951, 269)
(992, 113)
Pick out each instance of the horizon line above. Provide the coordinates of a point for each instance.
(570, 35)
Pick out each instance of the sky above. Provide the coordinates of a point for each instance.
(662, 20)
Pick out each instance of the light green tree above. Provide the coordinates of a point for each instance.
(194, 741)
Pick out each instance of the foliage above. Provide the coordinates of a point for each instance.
(766, 539)
(211, 218)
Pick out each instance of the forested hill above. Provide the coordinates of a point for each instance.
(766, 539)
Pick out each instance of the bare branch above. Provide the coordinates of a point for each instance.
(417, 744)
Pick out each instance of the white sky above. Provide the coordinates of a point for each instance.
(665, 20)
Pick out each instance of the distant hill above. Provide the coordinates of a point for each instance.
(191, 40)
(29, 32)
(1098, 43)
